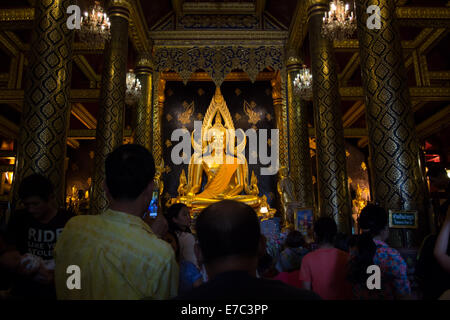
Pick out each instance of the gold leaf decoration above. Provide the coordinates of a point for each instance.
(185, 116)
(237, 91)
(167, 169)
(363, 166)
(169, 117)
(347, 154)
(314, 179)
(237, 116)
(269, 142)
(199, 116)
(269, 117)
(350, 180)
(253, 117)
(200, 92)
(168, 143)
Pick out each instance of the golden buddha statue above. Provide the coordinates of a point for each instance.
(358, 204)
(225, 167)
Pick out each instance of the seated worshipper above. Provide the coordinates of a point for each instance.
(324, 270)
(31, 236)
(228, 234)
(119, 255)
(179, 221)
(371, 249)
(290, 259)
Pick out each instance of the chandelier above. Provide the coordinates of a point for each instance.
(95, 26)
(338, 23)
(303, 83)
(133, 91)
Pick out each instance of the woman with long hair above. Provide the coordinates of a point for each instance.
(371, 249)
(179, 220)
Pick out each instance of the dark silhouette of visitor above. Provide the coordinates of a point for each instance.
(229, 236)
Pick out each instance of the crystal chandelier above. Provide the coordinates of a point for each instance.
(133, 92)
(303, 83)
(338, 23)
(95, 26)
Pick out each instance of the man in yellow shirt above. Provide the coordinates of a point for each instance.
(116, 255)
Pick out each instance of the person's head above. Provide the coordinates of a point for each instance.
(294, 239)
(228, 234)
(438, 176)
(325, 230)
(158, 224)
(178, 217)
(37, 195)
(374, 220)
(129, 173)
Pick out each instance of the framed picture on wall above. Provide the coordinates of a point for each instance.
(303, 221)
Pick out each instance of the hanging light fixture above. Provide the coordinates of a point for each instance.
(95, 26)
(303, 83)
(339, 23)
(134, 87)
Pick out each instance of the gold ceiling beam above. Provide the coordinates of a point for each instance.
(204, 76)
(8, 45)
(138, 30)
(348, 132)
(434, 124)
(349, 69)
(73, 143)
(427, 13)
(85, 117)
(347, 93)
(353, 114)
(8, 128)
(87, 70)
(89, 134)
(439, 75)
(218, 7)
(298, 27)
(19, 18)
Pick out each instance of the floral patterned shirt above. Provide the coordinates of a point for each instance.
(394, 279)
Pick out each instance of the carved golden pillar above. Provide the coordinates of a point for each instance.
(300, 169)
(334, 197)
(46, 109)
(280, 111)
(109, 133)
(393, 145)
(143, 130)
(158, 107)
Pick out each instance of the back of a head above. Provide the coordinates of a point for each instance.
(36, 185)
(373, 219)
(228, 228)
(129, 169)
(294, 239)
(325, 229)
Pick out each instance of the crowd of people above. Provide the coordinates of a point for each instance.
(123, 253)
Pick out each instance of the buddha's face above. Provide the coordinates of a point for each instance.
(217, 140)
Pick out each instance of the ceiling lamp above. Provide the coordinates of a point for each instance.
(95, 26)
(134, 87)
(338, 23)
(303, 83)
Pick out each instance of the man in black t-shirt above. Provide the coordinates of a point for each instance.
(31, 235)
(229, 236)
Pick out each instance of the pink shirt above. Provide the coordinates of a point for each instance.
(326, 269)
(290, 278)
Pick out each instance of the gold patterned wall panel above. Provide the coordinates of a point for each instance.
(109, 133)
(280, 110)
(334, 198)
(393, 145)
(300, 168)
(46, 110)
(143, 130)
(158, 105)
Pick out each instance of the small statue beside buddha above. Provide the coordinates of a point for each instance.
(286, 192)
